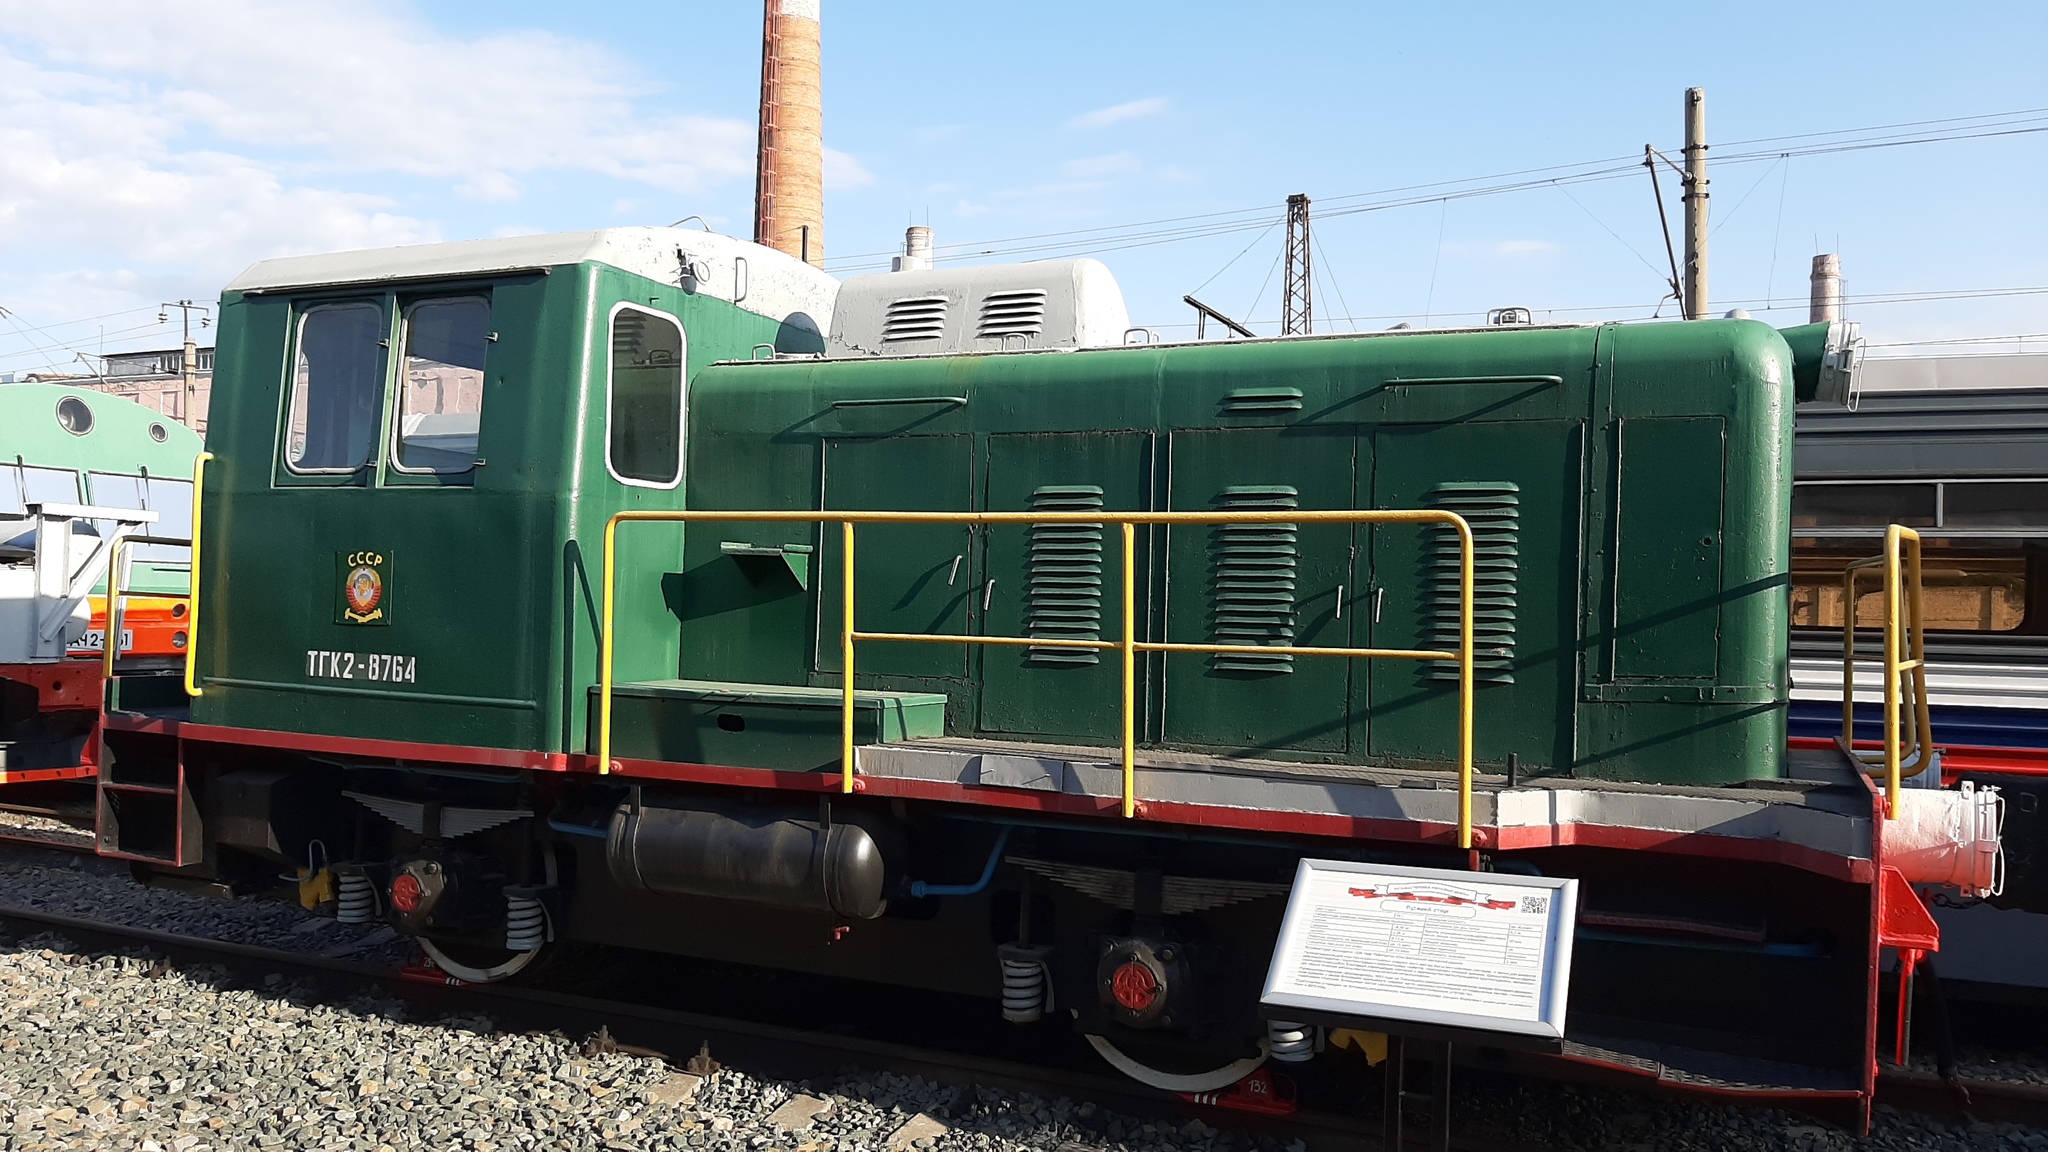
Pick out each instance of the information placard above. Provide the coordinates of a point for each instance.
(1481, 951)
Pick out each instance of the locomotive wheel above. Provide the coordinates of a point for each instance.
(1177, 1081)
(478, 965)
(482, 964)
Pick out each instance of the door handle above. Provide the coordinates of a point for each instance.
(988, 593)
(1340, 601)
(1378, 595)
(954, 575)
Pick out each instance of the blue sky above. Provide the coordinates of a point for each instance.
(149, 153)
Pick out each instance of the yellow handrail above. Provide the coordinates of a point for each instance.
(1128, 646)
(115, 597)
(112, 628)
(192, 617)
(1903, 631)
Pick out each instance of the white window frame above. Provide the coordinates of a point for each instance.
(683, 400)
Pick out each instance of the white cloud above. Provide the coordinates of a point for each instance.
(148, 150)
(1118, 113)
(842, 171)
(371, 87)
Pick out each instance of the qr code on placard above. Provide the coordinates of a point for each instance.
(1536, 905)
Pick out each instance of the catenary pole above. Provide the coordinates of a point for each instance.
(1695, 203)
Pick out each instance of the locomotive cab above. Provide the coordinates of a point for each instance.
(415, 443)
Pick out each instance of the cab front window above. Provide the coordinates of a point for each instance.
(337, 374)
(441, 400)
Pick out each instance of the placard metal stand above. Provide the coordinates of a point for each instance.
(1430, 957)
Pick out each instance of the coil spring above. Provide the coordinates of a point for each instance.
(526, 923)
(356, 899)
(1027, 991)
(1290, 1043)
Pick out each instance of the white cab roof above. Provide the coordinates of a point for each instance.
(758, 279)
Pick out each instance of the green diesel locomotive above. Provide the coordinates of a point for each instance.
(412, 546)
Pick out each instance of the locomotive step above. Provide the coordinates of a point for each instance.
(758, 725)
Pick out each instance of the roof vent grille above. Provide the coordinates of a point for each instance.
(1018, 312)
(915, 318)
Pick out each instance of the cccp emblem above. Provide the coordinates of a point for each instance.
(365, 592)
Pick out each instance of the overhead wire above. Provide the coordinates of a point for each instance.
(1870, 300)
(1330, 275)
(1262, 287)
(1730, 214)
(1777, 231)
(1234, 259)
(1611, 232)
(1176, 229)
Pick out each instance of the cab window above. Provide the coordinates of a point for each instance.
(644, 407)
(441, 401)
(337, 373)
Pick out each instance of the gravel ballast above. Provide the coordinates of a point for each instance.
(127, 1052)
(103, 890)
(124, 1051)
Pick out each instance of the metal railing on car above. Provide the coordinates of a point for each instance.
(1904, 660)
(1128, 646)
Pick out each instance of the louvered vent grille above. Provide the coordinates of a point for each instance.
(1020, 312)
(1066, 575)
(1255, 567)
(1494, 512)
(1249, 400)
(914, 318)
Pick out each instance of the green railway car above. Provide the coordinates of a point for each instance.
(419, 454)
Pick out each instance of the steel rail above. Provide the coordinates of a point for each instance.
(798, 1053)
(765, 1049)
(1128, 646)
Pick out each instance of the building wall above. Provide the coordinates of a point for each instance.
(163, 394)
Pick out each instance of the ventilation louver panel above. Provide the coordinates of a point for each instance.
(1018, 312)
(1494, 512)
(1256, 400)
(1065, 580)
(1255, 567)
(914, 318)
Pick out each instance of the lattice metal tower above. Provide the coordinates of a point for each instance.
(1297, 309)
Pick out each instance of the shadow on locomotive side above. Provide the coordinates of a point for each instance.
(417, 452)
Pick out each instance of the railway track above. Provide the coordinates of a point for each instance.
(82, 843)
(63, 824)
(791, 1053)
(765, 1050)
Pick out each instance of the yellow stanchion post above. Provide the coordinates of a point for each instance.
(192, 617)
(604, 649)
(1129, 654)
(1464, 683)
(846, 658)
